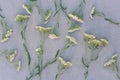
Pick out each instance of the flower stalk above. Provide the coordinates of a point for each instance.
(22, 21)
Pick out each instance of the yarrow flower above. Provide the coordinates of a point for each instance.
(63, 65)
(11, 56)
(22, 18)
(22, 21)
(7, 31)
(43, 29)
(94, 46)
(112, 63)
(88, 37)
(71, 39)
(74, 17)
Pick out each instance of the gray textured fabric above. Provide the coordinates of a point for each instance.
(97, 26)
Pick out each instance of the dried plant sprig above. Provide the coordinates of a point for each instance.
(94, 12)
(76, 18)
(44, 32)
(7, 31)
(78, 14)
(10, 55)
(70, 41)
(113, 63)
(63, 65)
(22, 21)
(93, 47)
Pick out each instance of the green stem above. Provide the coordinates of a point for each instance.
(86, 72)
(25, 46)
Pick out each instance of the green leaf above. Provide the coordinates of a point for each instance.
(84, 63)
(111, 21)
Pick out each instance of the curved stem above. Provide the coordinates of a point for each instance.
(25, 46)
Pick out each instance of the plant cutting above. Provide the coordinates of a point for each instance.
(7, 31)
(40, 67)
(94, 12)
(22, 21)
(70, 41)
(77, 15)
(112, 63)
(62, 66)
(9, 55)
(44, 32)
(93, 46)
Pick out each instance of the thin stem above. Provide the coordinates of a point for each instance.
(25, 45)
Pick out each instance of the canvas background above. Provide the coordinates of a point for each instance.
(98, 26)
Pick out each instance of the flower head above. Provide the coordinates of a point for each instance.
(71, 39)
(43, 29)
(94, 43)
(75, 17)
(63, 63)
(88, 37)
(53, 36)
(11, 56)
(22, 18)
(103, 42)
(39, 51)
(112, 61)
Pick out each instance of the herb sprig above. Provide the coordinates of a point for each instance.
(94, 12)
(7, 30)
(93, 47)
(22, 21)
(63, 65)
